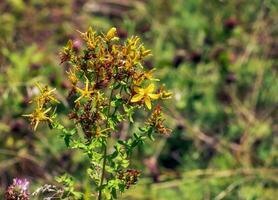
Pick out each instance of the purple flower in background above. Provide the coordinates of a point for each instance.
(21, 183)
(18, 190)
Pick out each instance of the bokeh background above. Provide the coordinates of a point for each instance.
(218, 57)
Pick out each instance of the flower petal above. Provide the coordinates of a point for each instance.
(136, 98)
(149, 89)
(39, 86)
(47, 110)
(86, 84)
(148, 102)
(138, 90)
(154, 96)
(78, 99)
(36, 125)
(28, 115)
(79, 90)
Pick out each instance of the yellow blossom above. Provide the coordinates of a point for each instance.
(91, 38)
(38, 115)
(101, 133)
(138, 78)
(149, 75)
(164, 94)
(45, 95)
(144, 52)
(145, 95)
(72, 77)
(111, 34)
(85, 92)
(133, 42)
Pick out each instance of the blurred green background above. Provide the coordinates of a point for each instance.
(218, 57)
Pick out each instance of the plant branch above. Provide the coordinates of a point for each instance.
(104, 149)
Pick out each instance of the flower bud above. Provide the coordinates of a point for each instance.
(111, 34)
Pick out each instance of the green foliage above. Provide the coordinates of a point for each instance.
(69, 190)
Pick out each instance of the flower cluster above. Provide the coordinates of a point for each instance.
(129, 177)
(107, 67)
(108, 83)
(156, 121)
(18, 190)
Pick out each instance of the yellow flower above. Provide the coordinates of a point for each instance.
(85, 92)
(164, 94)
(138, 78)
(145, 95)
(45, 95)
(38, 116)
(101, 133)
(144, 52)
(72, 77)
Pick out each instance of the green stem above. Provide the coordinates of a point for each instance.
(103, 170)
(104, 148)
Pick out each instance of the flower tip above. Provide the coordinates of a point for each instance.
(111, 34)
